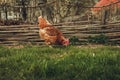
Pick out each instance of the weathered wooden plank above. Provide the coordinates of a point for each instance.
(99, 31)
(30, 33)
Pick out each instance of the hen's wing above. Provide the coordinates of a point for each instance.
(50, 35)
(52, 31)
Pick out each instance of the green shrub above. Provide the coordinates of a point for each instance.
(99, 39)
(74, 40)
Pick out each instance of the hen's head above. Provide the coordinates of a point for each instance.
(42, 22)
(66, 42)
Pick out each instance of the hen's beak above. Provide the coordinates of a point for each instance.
(67, 42)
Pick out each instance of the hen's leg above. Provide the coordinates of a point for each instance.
(48, 43)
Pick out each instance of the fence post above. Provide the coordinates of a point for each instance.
(104, 16)
(6, 16)
(24, 14)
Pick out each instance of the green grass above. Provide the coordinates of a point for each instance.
(67, 63)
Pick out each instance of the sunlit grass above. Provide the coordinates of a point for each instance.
(60, 63)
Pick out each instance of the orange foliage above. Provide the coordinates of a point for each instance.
(102, 3)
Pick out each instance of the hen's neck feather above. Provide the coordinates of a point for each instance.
(44, 23)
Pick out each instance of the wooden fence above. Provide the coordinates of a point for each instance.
(82, 27)
(106, 14)
(28, 34)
